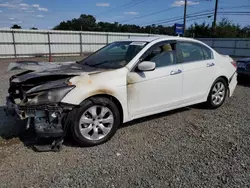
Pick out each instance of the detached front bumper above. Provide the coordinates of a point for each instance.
(46, 119)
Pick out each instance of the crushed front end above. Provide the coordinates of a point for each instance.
(39, 101)
(40, 104)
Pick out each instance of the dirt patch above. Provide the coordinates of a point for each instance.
(9, 142)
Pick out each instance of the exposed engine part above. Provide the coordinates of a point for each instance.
(48, 124)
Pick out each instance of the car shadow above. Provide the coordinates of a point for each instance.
(153, 117)
(12, 129)
(244, 81)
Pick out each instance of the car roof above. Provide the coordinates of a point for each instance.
(153, 38)
(144, 39)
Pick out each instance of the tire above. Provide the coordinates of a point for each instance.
(216, 98)
(85, 126)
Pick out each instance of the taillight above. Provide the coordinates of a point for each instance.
(234, 64)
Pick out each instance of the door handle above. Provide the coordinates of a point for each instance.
(210, 64)
(175, 72)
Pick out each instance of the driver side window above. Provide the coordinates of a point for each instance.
(163, 54)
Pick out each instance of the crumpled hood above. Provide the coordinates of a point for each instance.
(47, 70)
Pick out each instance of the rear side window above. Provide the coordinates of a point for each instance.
(207, 53)
(191, 52)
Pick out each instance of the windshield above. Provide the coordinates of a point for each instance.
(114, 55)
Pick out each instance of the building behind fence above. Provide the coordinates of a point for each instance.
(24, 43)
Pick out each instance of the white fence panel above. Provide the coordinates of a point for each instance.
(242, 52)
(31, 37)
(17, 43)
(209, 43)
(6, 49)
(94, 38)
(224, 50)
(113, 38)
(224, 44)
(243, 44)
(64, 38)
(24, 49)
(89, 48)
(65, 48)
(6, 37)
(229, 46)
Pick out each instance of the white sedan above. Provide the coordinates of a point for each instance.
(123, 81)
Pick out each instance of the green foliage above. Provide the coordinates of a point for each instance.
(88, 23)
(15, 26)
(33, 28)
(224, 29)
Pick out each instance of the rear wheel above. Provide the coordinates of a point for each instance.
(95, 122)
(217, 94)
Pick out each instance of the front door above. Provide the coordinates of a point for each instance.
(151, 92)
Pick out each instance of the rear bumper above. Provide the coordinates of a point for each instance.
(232, 84)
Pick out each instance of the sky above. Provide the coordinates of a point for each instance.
(45, 14)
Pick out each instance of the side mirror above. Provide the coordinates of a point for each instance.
(146, 66)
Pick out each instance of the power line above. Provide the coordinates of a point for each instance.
(197, 16)
(131, 5)
(145, 15)
(188, 20)
(210, 10)
(118, 6)
(179, 18)
(153, 13)
(123, 7)
(236, 12)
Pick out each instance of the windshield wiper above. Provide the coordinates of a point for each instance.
(97, 64)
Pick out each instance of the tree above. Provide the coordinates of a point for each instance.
(15, 26)
(202, 30)
(224, 28)
(83, 23)
(33, 28)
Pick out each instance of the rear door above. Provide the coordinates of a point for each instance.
(198, 71)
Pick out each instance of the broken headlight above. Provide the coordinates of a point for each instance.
(50, 96)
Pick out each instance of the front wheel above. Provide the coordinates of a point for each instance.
(95, 122)
(217, 94)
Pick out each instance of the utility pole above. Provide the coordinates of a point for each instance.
(184, 19)
(215, 15)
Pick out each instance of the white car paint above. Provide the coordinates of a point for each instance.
(150, 92)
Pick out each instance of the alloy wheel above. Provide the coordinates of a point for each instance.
(96, 122)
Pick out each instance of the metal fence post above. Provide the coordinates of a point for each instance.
(50, 58)
(107, 40)
(235, 46)
(14, 42)
(212, 43)
(81, 44)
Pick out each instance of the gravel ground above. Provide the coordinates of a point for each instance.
(189, 147)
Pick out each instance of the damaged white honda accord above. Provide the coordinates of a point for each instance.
(123, 81)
